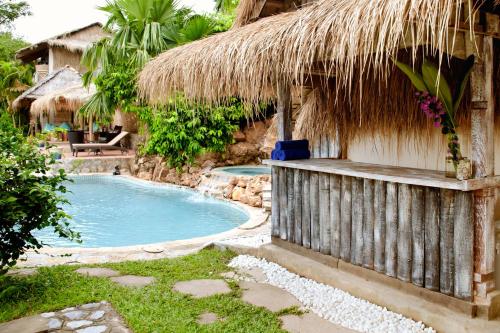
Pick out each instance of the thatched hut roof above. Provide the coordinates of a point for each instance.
(63, 78)
(337, 38)
(72, 98)
(76, 40)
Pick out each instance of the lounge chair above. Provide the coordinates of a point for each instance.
(99, 147)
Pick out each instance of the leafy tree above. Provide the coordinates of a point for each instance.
(30, 196)
(181, 130)
(9, 45)
(11, 10)
(226, 6)
(14, 79)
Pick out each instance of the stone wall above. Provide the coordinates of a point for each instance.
(249, 149)
(101, 164)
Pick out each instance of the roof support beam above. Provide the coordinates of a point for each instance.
(483, 122)
(284, 112)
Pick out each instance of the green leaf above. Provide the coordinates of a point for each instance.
(432, 77)
(415, 78)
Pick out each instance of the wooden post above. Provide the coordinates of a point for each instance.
(463, 245)
(284, 112)
(379, 227)
(306, 210)
(391, 235)
(404, 233)
(357, 222)
(483, 165)
(275, 202)
(290, 211)
(345, 219)
(283, 197)
(418, 235)
(335, 187)
(324, 213)
(315, 229)
(368, 223)
(447, 269)
(431, 221)
(297, 205)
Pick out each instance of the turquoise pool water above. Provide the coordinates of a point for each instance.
(246, 170)
(115, 211)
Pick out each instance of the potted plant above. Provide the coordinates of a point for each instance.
(436, 100)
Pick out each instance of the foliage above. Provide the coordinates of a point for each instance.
(30, 197)
(437, 101)
(182, 131)
(9, 45)
(11, 10)
(226, 6)
(155, 308)
(14, 78)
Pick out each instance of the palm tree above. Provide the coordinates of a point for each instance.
(14, 79)
(139, 30)
(226, 6)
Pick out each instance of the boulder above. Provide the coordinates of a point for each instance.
(238, 193)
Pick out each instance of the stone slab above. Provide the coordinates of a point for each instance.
(202, 288)
(33, 324)
(264, 295)
(311, 323)
(97, 272)
(207, 318)
(133, 281)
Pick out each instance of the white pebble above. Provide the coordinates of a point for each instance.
(333, 304)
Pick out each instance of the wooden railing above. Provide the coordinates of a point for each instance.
(413, 225)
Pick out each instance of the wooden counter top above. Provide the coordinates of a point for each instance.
(420, 177)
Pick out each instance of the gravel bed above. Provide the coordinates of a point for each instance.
(333, 304)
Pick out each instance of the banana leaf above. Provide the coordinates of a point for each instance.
(459, 93)
(414, 77)
(437, 85)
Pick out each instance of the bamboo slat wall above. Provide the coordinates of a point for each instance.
(420, 235)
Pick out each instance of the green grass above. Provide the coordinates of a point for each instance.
(155, 308)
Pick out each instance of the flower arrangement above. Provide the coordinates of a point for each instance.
(437, 102)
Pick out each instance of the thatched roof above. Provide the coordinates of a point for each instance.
(75, 41)
(338, 38)
(61, 79)
(72, 98)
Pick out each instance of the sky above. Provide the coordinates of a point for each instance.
(52, 17)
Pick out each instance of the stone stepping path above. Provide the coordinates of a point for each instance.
(207, 318)
(202, 288)
(97, 272)
(270, 297)
(133, 281)
(87, 318)
(124, 280)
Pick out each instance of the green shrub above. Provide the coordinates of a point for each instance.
(182, 131)
(30, 197)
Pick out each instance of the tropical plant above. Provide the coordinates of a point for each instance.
(437, 101)
(30, 197)
(14, 79)
(9, 45)
(181, 130)
(226, 6)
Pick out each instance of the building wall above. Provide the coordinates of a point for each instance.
(387, 149)
(60, 57)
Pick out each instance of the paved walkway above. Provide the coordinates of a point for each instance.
(101, 318)
(87, 318)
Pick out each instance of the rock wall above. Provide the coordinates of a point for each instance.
(249, 149)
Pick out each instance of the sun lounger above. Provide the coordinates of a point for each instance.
(100, 147)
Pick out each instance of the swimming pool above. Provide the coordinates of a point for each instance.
(246, 170)
(117, 211)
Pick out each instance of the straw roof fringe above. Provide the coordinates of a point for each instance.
(245, 12)
(72, 98)
(72, 45)
(60, 79)
(343, 37)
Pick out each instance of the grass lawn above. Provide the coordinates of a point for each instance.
(155, 308)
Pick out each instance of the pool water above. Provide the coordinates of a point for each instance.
(114, 211)
(247, 170)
